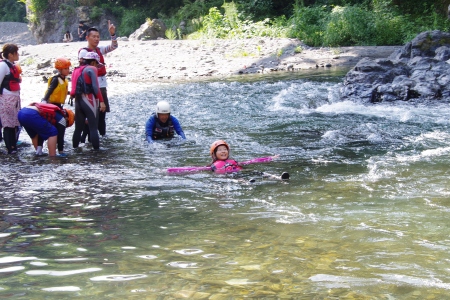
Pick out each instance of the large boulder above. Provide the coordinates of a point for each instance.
(48, 29)
(150, 30)
(418, 70)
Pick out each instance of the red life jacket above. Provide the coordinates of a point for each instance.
(48, 111)
(225, 166)
(102, 70)
(12, 81)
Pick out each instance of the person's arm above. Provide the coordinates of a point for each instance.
(4, 70)
(177, 127)
(51, 88)
(149, 129)
(70, 37)
(114, 44)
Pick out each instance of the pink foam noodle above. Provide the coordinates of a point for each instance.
(187, 169)
(199, 169)
(257, 160)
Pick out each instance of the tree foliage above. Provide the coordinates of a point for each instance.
(12, 11)
(317, 22)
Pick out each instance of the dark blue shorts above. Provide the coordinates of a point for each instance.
(35, 124)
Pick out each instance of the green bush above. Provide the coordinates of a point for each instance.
(232, 25)
(308, 24)
(170, 34)
(12, 11)
(347, 26)
(130, 21)
(96, 13)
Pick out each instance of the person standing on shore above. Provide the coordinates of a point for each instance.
(93, 39)
(10, 95)
(82, 31)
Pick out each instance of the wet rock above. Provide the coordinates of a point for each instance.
(418, 70)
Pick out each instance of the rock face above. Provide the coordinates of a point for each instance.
(60, 17)
(418, 70)
(150, 31)
(17, 33)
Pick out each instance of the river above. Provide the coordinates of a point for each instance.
(363, 216)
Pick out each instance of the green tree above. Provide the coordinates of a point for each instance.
(12, 11)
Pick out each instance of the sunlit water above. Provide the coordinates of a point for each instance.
(364, 215)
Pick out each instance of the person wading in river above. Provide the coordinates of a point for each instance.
(93, 39)
(88, 98)
(44, 121)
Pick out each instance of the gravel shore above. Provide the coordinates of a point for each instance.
(174, 60)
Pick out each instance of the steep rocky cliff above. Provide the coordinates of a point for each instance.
(60, 16)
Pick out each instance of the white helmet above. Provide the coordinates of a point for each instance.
(163, 107)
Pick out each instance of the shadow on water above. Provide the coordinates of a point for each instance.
(360, 217)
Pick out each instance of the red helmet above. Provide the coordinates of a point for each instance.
(217, 144)
(62, 63)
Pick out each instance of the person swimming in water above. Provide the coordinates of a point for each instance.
(221, 162)
(162, 125)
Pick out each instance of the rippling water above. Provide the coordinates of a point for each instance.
(364, 215)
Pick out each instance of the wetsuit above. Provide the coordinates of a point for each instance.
(154, 129)
(86, 104)
(102, 50)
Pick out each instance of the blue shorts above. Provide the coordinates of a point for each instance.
(35, 124)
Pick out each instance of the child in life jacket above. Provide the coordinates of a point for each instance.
(58, 85)
(221, 162)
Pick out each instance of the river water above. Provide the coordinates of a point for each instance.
(363, 216)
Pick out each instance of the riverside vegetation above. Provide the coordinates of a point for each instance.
(318, 23)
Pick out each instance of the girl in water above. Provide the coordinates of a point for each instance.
(222, 163)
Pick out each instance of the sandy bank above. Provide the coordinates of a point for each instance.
(194, 60)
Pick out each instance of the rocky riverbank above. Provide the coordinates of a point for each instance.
(194, 59)
(175, 60)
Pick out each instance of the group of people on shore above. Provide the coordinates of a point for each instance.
(48, 119)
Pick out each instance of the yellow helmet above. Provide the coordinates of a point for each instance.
(217, 144)
(62, 63)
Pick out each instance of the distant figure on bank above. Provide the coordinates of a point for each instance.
(82, 31)
(43, 121)
(10, 80)
(162, 125)
(93, 39)
(67, 37)
(88, 98)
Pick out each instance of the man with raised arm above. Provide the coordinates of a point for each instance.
(93, 39)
